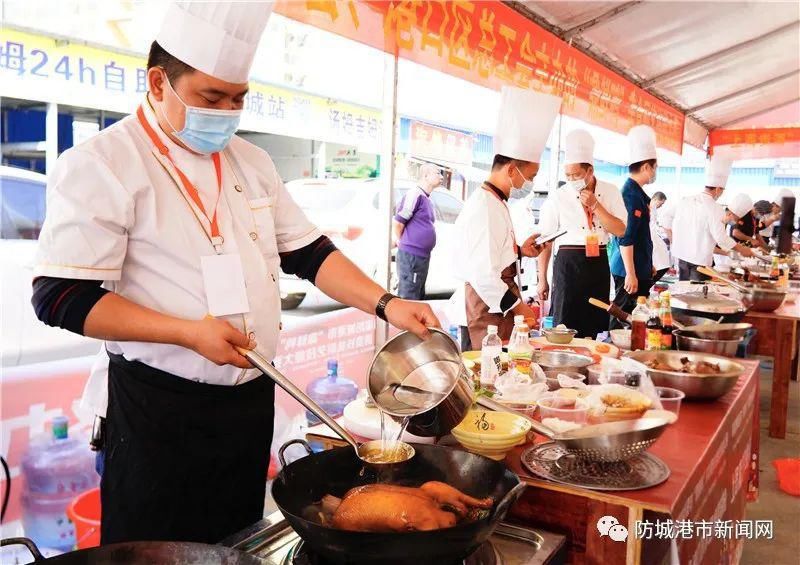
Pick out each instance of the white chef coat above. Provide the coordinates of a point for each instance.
(117, 212)
(485, 237)
(661, 258)
(563, 210)
(697, 228)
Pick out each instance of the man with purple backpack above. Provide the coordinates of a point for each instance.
(414, 233)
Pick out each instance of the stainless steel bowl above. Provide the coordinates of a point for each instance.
(717, 331)
(695, 386)
(425, 381)
(563, 360)
(726, 347)
(761, 299)
(559, 336)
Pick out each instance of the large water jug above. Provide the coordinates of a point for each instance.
(56, 469)
(331, 392)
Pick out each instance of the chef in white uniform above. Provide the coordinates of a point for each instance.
(699, 224)
(486, 259)
(661, 258)
(155, 225)
(591, 211)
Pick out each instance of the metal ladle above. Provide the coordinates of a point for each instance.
(401, 451)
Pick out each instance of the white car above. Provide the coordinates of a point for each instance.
(347, 211)
(24, 339)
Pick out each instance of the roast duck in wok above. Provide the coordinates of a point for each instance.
(392, 508)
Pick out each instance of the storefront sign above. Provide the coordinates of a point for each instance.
(440, 144)
(349, 162)
(38, 67)
(488, 43)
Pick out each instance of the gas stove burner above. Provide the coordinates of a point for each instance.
(301, 554)
(550, 461)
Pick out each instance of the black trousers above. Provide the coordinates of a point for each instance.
(576, 278)
(184, 461)
(627, 301)
(688, 272)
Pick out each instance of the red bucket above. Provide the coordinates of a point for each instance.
(84, 511)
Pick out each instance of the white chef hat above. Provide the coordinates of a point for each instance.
(217, 38)
(579, 147)
(718, 169)
(641, 144)
(781, 194)
(741, 204)
(524, 123)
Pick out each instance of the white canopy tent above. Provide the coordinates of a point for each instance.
(725, 64)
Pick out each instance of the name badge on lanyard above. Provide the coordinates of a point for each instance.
(223, 274)
(592, 239)
(223, 280)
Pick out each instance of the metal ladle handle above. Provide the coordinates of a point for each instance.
(716, 274)
(535, 424)
(268, 369)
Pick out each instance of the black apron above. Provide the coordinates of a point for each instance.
(576, 278)
(184, 460)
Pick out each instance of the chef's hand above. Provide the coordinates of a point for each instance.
(415, 317)
(216, 340)
(631, 283)
(653, 272)
(529, 248)
(588, 198)
(746, 251)
(523, 309)
(543, 290)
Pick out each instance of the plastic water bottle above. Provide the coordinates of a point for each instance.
(491, 349)
(455, 334)
(56, 468)
(331, 392)
(518, 320)
(520, 351)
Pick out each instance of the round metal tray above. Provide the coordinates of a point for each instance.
(551, 462)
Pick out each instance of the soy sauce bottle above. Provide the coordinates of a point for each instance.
(653, 329)
(666, 322)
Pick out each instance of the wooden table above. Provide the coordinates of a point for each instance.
(712, 453)
(778, 336)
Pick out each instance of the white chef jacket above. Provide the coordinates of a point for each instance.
(563, 210)
(485, 247)
(661, 258)
(117, 212)
(698, 226)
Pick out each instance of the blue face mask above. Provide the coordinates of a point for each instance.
(205, 130)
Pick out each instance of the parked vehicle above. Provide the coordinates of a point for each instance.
(25, 339)
(347, 212)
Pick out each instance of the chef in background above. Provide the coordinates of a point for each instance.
(699, 224)
(745, 229)
(154, 224)
(591, 211)
(632, 260)
(661, 258)
(487, 257)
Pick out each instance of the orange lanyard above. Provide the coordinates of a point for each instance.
(589, 217)
(216, 238)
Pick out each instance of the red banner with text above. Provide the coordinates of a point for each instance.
(490, 44)
(757, 143)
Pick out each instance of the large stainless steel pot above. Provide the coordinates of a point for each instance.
(687, 342)
(693, 307)
(695, 386)
(761, 297)
(425, 381)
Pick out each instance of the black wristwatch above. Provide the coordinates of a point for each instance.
(380, 308)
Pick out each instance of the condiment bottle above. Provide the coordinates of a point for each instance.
(653, 329)
(639, 318)
(666, 321)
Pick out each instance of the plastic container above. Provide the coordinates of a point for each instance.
(491, 349)
(567, 409)
(552, 378)
(331, 392)
(56, 469)
(670, 398)
(547, 323)
(84, 511)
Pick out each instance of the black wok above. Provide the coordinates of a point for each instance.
(305, 481)
(134, 553)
